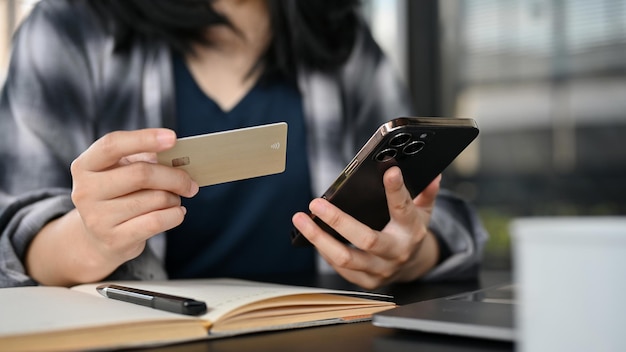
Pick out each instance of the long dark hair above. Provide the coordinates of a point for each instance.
(318, 34)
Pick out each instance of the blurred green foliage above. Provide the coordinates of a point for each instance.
(497, 253)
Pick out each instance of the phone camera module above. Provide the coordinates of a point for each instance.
(386, 155)
(400, 139)
(413, 147)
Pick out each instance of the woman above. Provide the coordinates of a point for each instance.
(92, 83)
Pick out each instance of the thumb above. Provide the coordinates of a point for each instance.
(426, 199)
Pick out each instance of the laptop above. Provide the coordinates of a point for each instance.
(485, 313)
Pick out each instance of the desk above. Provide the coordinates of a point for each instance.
(360, 337)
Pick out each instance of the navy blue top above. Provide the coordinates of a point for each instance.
(241, 228)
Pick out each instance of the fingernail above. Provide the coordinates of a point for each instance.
(318, 207)
(297, 220)
(183, 209)
(166, 137)
(398, 177)
(194, 188)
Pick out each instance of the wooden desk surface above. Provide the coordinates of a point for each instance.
(359, 337)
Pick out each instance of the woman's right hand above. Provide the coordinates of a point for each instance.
(122, 198)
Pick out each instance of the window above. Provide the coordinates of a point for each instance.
(546, 81)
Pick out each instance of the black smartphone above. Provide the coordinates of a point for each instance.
(421, 147)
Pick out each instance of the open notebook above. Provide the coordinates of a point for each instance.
(62, 319)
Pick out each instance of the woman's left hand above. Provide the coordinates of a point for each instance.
(402, 251)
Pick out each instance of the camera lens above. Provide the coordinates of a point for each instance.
(413, 147)
(386, 154)
(400, 139)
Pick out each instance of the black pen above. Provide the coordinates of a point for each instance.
(162, 301)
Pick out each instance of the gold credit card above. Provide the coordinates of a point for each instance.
(230, 155)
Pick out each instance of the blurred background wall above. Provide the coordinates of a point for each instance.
(545, 80)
